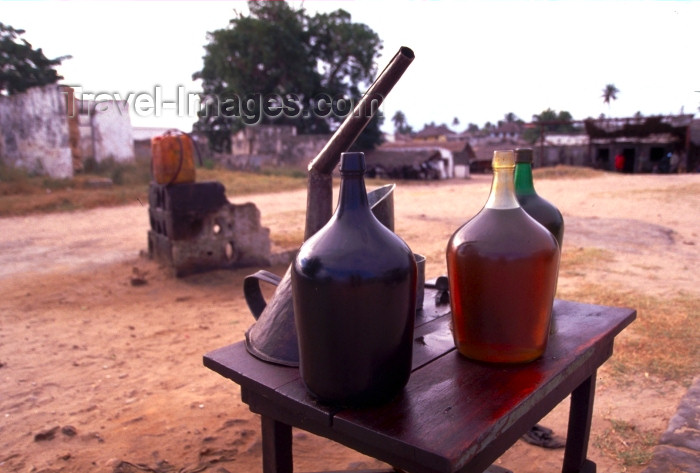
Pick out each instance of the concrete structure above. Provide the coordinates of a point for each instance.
(410, 163)
(274, 145)
(679, 446)
(105, 131)
(432, 133)
(45, 130)
(570, 150)
(34, 133)
(194, 228)
(645, 142)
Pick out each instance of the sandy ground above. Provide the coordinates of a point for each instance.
(99, 375)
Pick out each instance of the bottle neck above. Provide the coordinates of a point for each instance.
(353, 195)
(523, 179)
(502, 194)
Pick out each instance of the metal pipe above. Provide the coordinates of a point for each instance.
(320, 185)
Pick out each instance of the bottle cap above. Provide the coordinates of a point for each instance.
(352, 162)
(503, 159)
(523, 155)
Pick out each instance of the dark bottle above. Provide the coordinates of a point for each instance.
(538, 208)
(354, 293)
(502, 268)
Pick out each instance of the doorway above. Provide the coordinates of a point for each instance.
(629, 155)
(602, 159)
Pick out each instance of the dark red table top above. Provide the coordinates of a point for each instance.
(454, 414)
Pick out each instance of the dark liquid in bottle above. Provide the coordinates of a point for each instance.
(354, 291)
(502, 283)
(545, 213)
(355, 352)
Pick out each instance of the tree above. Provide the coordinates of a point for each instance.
(511, 117)
(280, 65)
(22, 66)
(549, 121)
(610, 93)
(401, 126)
(455, 121)
(399, 120)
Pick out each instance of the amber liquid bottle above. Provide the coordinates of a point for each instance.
(537, 207)
(354, 294)
(502, 268)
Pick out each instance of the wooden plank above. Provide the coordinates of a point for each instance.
(431, 341)
(276, 446)
(295, 405)
(431, 310)
(456, 413)
(261, 379)
(235, 363)
(579, 428)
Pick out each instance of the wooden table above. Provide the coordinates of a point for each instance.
(454, 415)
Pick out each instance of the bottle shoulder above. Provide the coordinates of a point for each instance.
(350, 246)
(494, 228)
(539, 207)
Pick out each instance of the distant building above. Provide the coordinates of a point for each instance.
(434, 133)
(510, 132)
(648, 144)
(273, 145)
(105, 130)
(410, 163)
(462, 160)
(455, 155)
(693, 158)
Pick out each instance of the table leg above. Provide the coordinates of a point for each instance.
(276, 446)
(580, 414)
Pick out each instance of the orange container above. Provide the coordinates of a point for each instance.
(172, 158)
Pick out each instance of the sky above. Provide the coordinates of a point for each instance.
(475, 60)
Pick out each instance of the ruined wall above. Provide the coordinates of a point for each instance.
(261, 140)
(105, 131)
(45, 132)
(560, 154)
(34, 132)
(112, 132)
(274, 145)
(301, 149)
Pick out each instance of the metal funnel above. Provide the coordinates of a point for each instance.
(273, 337)
(381, 201)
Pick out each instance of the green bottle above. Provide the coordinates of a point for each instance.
(537, 207)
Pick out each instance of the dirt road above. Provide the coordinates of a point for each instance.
(99, 375)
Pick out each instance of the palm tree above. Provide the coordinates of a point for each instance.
(399, 120)
(610, 93)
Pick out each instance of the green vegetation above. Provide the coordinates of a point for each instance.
(549, 121)
(109, 183)
(283, 66)
(22, 66)
(624, 441)
(661, 342)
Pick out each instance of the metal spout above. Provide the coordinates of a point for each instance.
(273, 337)
(319, 197)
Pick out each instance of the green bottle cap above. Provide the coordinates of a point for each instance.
(523, 155)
